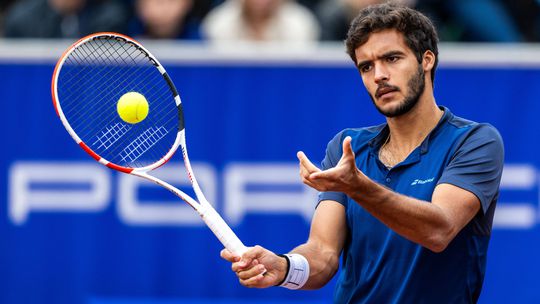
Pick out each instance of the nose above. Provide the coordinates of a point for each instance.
(381, 73)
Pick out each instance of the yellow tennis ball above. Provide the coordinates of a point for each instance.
(132, 107)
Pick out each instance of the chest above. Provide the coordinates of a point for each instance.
(416, 176)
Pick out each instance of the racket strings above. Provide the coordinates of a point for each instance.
(143, 143)
(107, 54)
(92, 80)
(90, 89)
(110, 135)
(86, 61)
(138, 66)
(88, 57)
(150, 97)
(147, 81)
(159, 112)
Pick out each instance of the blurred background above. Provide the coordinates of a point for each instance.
(260, 80)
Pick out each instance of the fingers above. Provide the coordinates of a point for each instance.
(347, 161)
(256, 281)
(241, 265)
(252, 272)
(229, 256)
(307, 168)
(338, 178)
(347, 147)
(305, 163)
(248, 260)
(310, 183)
(250, 269)
(250, 255)
(238, 264)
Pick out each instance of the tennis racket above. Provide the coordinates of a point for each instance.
(89, 80)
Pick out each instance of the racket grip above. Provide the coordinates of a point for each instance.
(222, 231)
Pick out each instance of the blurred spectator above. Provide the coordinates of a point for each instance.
(472, 21)
(526, 13)
(311, 4)
(335, 16)
(4, 5)
(456, 20)
(261, 20)
(64, 18)
(165, 19)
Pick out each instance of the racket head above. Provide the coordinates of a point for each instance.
(87, 83)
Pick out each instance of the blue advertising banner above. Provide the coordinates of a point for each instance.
(74, 231)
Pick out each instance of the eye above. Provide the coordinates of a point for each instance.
(392, 58)
(365, 68)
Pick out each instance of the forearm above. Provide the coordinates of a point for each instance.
(419, 221)
(326, 240)
(431, 224)
(323, 264)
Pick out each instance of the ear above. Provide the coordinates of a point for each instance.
(428, 61)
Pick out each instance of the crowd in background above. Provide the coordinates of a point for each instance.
(258, 20)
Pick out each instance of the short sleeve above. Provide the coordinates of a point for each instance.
(332, 157)
(477, 164)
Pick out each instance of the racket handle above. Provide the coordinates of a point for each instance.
(222, 231)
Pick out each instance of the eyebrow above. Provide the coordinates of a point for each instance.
(385, 55)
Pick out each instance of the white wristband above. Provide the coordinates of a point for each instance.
(298, 272)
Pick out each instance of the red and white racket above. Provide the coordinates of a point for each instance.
(87, 83)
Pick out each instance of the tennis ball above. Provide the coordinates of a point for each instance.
(132, 107)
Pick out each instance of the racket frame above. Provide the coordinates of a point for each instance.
(209, 215)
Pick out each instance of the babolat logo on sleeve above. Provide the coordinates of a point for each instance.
(422, 181)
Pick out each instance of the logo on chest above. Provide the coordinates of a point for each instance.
(422, 181)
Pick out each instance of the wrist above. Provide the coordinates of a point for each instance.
(357, 185)
(364, 187)
(283, 268)
(297, 271)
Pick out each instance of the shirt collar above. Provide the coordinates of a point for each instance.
(379, 139)
(447, 115)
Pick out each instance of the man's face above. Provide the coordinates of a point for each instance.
(261, 9)
(66, 7)
(391, 74)
(163, 15)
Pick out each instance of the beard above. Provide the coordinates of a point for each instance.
(416, 86)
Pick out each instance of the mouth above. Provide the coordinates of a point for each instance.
(384, 90)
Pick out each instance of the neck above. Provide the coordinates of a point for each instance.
(409, 130)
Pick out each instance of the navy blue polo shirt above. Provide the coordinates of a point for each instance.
(380, 266)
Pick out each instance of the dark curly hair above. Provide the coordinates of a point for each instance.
(419, 32)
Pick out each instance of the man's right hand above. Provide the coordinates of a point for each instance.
(257, 267)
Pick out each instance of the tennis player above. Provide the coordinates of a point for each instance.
(408, 204)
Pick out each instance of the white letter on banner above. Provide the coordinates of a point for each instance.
(37, 186)
(276, 189)
(134, 212)
(516, 215)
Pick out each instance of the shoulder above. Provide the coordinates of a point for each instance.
(473, 126)
(474, 132)
(485, 131)
(474, 144)
(483, 140)
(462, 131)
